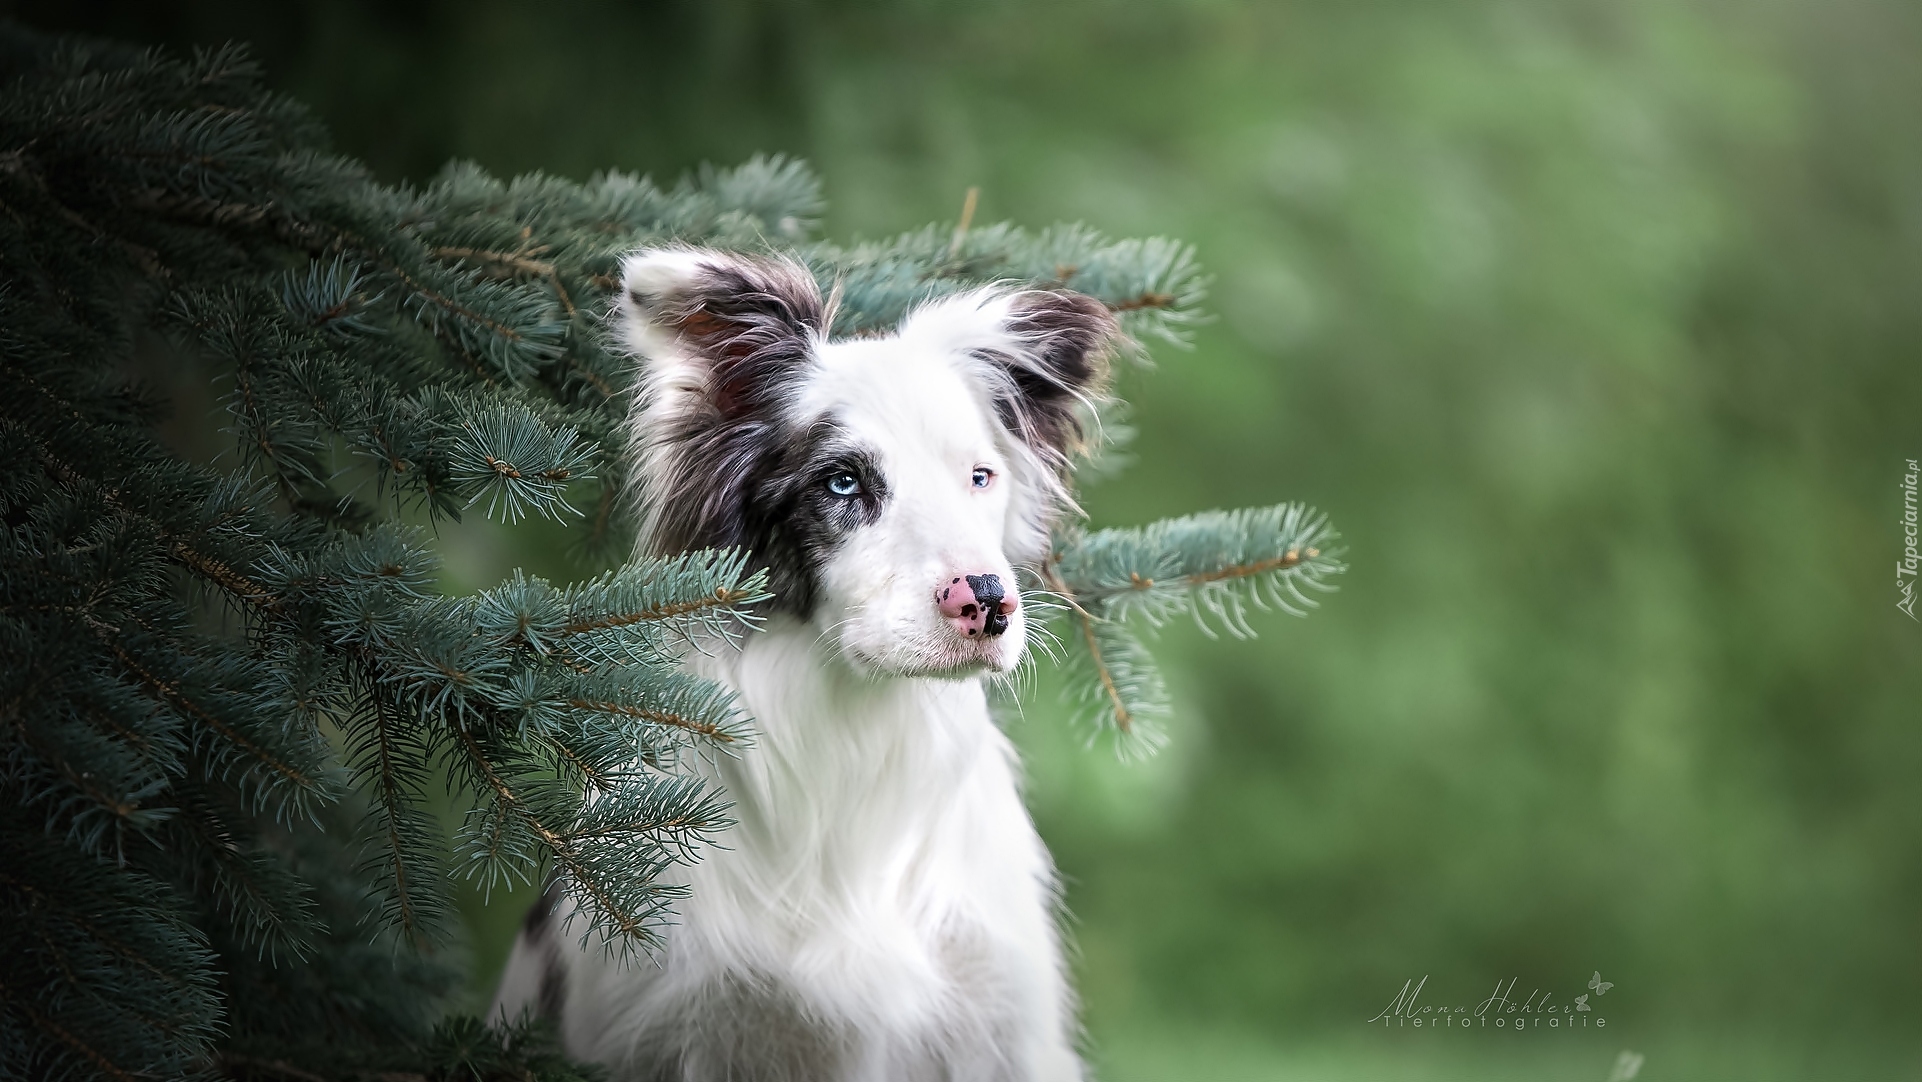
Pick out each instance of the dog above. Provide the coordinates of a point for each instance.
(883, 908)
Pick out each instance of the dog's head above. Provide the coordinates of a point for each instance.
(891, 484)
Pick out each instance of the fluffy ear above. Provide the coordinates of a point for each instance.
(722, 337)
(1039, 352)
(1059, 357)
(719, 326)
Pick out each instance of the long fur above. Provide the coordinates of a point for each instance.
(884, 908)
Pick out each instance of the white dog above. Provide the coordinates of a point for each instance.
(884, 908)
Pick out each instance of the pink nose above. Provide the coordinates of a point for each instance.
(977, 605)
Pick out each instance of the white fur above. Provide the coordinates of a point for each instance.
(884, 908)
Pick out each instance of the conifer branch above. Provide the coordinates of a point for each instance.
(1117, 706)
(48, 1026)
(1286, 560)
(1122, 718)
(658, 717)
(395, 805)
(721, 598)
(609, 909)
(170, 691)
(220, 574)
(518, 262)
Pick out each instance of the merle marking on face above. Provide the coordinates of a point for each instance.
(793, 517)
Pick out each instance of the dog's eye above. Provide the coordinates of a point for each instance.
(983, 477)
(844, 484)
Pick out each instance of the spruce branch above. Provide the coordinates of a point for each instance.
(1212, 566)
(668, 697)
(388, 755)
(623, 909)
(304, 782)
(265, 905)
(642, 610)
(518, 464)
(92, 1056)
(1115, 686)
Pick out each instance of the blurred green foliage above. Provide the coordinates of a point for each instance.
(1592, 322)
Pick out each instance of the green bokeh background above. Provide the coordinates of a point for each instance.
(1593, 324)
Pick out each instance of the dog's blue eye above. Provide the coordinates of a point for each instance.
(983, 477)
(844, 484)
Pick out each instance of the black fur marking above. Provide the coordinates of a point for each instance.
(537, 928)
(739, 475)
(551, 999)
(792, 523)
(749, 320)
(783, 513)
(1068, 336)
(541, 914)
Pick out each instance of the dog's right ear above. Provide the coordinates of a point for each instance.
(721, 338)
(718, 327)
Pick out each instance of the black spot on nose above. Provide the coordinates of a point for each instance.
(987, 588)
(989, 592)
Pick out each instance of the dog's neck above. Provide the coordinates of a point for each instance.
(842, 765)
(877, 826)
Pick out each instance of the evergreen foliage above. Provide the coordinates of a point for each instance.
(230, 688)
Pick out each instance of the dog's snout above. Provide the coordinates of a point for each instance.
(977, 605)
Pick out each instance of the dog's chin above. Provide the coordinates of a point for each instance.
(953, 659)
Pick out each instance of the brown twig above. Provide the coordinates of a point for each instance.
(225, 577)
(662, 717)
(559, 844)
(719, 598)
(59, 1032)
(523, 262)
(1291, 558)
(967, 218)
(1123, 719)
(172, 693)
(1145, 300)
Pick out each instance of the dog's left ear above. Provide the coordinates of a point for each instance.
(1065, 339)
(1043, 351)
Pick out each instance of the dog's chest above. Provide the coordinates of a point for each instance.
(881, 910)
(881, 861)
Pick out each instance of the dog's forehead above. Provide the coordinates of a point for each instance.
(893, 392)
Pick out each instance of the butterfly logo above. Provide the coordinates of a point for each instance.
(1581, 1002)
(1601, 986)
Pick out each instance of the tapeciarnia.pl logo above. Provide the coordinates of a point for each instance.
(1905, 567)
(1501, 1010)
